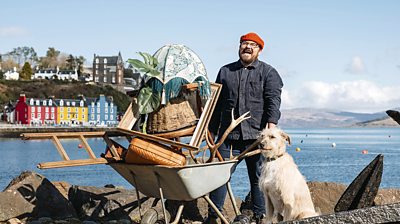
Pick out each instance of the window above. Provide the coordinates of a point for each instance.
(52, 115)
(111, 118)
(61, 116)
(96, 79)
(106, 117)
(98, 110)
(98, 104)
(105, 60)
(61, 103)
(33, 109)
(98, 117)
(44, 102)
(76, 109)
(106, 109)
(97, 66)
(97, 60)
(105, 79)
(106, 104)
(92, 111)
(83, 116)
(112, 110)
(37, 102)
(33, 115)
(39, 109)
(46, 109)
(69, 109)
(31, 102)
(62, 109)
(73, 103)
(92, 104)
(113, 79)
(81, 103)
(46, 116)
(50, 102)
(92, 117)
(69, 116)
(39, 116)
(52, 109)
(83, 110)
(68, 103)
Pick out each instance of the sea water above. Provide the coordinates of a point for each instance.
(329, 155)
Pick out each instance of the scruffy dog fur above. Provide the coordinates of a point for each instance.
(286, 193)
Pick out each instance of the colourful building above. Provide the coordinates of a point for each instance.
(102, 111)
(72, 112)
(35, 111)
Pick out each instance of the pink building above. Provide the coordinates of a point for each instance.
(35, 111)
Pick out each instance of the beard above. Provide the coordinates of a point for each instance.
(247, 56)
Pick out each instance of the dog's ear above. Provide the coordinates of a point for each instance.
(286, 137)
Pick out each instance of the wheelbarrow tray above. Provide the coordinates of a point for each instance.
(184, 183)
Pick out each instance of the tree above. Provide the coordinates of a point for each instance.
(51, 58)
(26, 72)
(79, 63)
(70, 62)
(9, 64)
(23, 54)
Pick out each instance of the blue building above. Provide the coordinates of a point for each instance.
(102, 111)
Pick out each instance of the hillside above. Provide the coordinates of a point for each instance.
(325, 118)
(10, 90)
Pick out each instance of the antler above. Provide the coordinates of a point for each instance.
(213, 147)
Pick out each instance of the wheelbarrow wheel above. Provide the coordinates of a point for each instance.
(152, 216)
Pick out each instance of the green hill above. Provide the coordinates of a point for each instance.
(10, 90)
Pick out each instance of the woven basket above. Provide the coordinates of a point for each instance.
(174, 116)
(147, 152)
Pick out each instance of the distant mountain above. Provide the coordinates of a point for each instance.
(325, 118)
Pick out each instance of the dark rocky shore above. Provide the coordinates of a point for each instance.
(32, 198)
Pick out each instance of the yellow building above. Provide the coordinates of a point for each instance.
(72, 112)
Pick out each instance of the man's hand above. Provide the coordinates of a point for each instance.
(271, 125)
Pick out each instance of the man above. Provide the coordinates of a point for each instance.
(247, 85)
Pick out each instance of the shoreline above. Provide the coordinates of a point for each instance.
(16, 131)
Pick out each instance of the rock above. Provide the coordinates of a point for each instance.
(31, 196)
(197, 210)
(103, 204)
(325, 195)
(14, 221)
(376, 214)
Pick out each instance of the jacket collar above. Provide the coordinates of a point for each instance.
(253, 65)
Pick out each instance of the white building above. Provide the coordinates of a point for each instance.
(56, 73)
(11, 75)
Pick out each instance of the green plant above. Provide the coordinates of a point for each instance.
(148, 98)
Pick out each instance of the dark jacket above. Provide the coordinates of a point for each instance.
(257, 89)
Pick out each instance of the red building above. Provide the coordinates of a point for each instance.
(35, 111)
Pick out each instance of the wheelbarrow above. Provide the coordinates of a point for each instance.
(178, 183)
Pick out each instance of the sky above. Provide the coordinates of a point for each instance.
(339, 54)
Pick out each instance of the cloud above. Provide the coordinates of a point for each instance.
(356, 66)
(356, 96)
(12, 31)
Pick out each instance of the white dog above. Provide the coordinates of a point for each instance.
(285, 190)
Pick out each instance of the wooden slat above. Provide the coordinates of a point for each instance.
(206, 115)
(95, 134)
(111, 146)
(130, 117)
(59, 147)
(76, 162)
(87, 147)
(157, 139)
